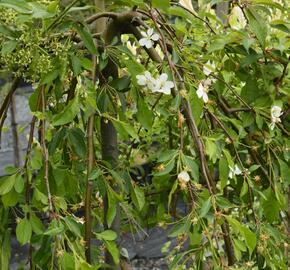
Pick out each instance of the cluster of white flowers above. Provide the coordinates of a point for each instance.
(276, 112)
(203, 86)
(234, 171)
(183, 178)
(160, 84)
(149, 38)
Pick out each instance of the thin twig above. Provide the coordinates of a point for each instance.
(45, 153)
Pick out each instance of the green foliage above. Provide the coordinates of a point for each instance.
(215, 133)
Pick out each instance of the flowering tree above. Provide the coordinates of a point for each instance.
(121, 83)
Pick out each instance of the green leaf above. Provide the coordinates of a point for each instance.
(49, 77)
(8, 46)
(113, 249)
(193, 166)
(7, 183)
(67, 114)
(271, 206)
(211, 149)
(250, 238)
(5, 30)
(125, 129)
(19, 183)
(251, 92)
(285, 171)
(76, 64)
(172, 191)
(23, 231)
(40, 11)
(138, 196)
(10, 199)
(244, 189)
(87, 39)
(36, 224)
(205, 207)
(112, 209)
(107, 235)
(76, 139)
(248, 235)
(144, 115)
(5, 249)
(167, 169)
(73, 226)
(257, 24)
(121, 84)
(223, 172)
(55, 228)
(20, 6)
(67, 261)
(161, 4)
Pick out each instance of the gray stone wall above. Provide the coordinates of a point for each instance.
(23, 119)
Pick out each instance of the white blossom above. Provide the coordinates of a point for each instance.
(183, 176)
(148, 38)
(208, 68)
(145, 79)
(202, 92)
(161, 84)
(237, 19)
(234, 171)
(276, 112)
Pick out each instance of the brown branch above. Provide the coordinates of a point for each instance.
(6, 103)
(45, 154)
(97, 16)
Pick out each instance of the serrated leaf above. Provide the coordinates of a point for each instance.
(223, 172)
(138, 197)
(67, 114)
(87, 39)
(257, 24)
(23, 231)
(114, 251)
(8, 46)
(144, 115)
(19, 184)
(7, 183)
(205, 207)
(76, 139)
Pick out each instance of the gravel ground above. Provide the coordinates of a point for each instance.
(149, 264)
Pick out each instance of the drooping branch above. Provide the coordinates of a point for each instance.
(45, 153)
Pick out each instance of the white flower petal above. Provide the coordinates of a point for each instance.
(163, 77)
(150, 32)
(237, 170)
(155, 37)
(141, 80)
(148, 44)
(144, 34)
(205, 97)
(169, 84)
(200, 90)
(143, 41)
